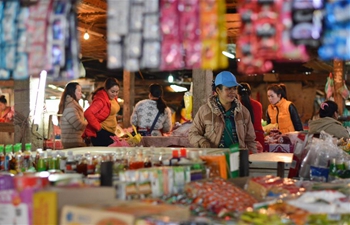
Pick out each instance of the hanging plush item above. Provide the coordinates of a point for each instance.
(329, 87)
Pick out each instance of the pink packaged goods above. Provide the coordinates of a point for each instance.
(6, 182)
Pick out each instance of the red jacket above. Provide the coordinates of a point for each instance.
(257, 110)
(97, 112)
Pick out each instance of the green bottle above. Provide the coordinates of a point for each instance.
(332, 170)
(8, 157)
(41, 164)
(27, 162)
(232, 158)
(17, 151)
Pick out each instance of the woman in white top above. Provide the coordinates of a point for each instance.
(145, 113)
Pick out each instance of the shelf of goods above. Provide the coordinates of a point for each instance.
(259, 164)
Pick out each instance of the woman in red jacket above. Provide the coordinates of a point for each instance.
(255, 109)
(102, 114)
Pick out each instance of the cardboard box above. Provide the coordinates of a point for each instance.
(119, 213)
(47, 204)
(16, 207)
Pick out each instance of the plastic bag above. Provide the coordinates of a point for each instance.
(118, 142)
(329, 87)
(136, 139)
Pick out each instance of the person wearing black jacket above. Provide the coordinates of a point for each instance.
(282, 111)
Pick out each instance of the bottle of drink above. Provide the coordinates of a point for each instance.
(2, 158)
(41, 163)
(332, 175)
(71, 164)
(63, 160)
(18, 156)
(48, 159)
(8, 157)
(27, 162)
(37, 157)
(175, 158)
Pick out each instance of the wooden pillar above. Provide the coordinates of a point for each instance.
(202, 81)
(22, 110)
(338, 67)
(128, 96)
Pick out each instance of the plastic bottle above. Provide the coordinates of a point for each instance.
(8, 157)
(27, 162)
(71, 164)
(332, 175)
(18, 156)
(41, 163)
(63, 160)
(2, 158)
(175, 158)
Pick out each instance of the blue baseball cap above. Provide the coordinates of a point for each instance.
(227, 79)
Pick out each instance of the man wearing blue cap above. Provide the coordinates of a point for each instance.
(223, 121)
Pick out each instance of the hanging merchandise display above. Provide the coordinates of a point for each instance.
(166, 34)
(274, 31)
(336, 42)
(38, 36)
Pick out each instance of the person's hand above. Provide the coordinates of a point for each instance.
(205, 144)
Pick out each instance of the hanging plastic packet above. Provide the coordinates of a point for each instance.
(114, 51)
(21, 72)
(151, 21)
(151, 54)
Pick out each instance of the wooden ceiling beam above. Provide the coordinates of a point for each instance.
(101, 5)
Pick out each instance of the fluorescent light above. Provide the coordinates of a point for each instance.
(40, 98)
(178, 88)
(228, 54)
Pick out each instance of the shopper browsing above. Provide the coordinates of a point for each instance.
(281, 111)
(102, 114)
(223, 121)
(328, 122)
(151, 116)
(72, 121)
(255, 109)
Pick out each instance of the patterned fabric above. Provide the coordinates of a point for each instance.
(229, 136)
(72, 124)
(145, 112)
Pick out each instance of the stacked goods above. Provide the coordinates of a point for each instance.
(212, 198)
(262, 187)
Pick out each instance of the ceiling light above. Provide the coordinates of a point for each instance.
(230, 51)
(178, 88)
(170, 78)
(228, 54)
(86, 35)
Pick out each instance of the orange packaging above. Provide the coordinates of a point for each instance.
(216, 163)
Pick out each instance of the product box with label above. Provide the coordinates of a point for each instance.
(47, 204)
(16, 207)
(119, 213)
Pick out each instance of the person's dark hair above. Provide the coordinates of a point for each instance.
(68, 90)
(108, 84)
(284, 88)
(278, 89)
(3, 99)
(244, 91)
(213, 87)
(156, 91)
(328, 108)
